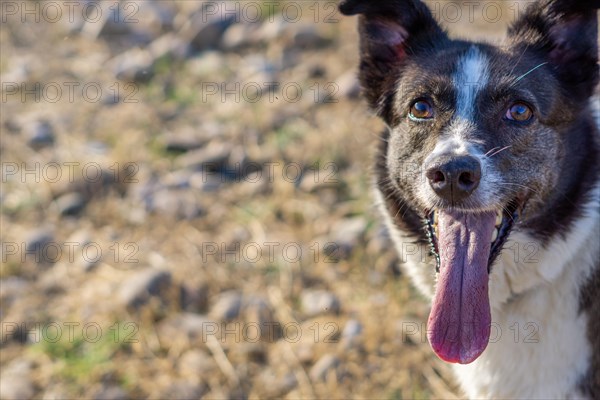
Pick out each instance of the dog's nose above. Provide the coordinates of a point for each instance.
(453, 177)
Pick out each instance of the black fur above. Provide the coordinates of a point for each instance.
(390, 31)
(566, 34)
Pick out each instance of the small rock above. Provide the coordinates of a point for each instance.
(101, 183)
(168, 45)
(182, 390)
(194, 298)
(210, 158)
(274, 386)
(15, 381)
(195, 363)
(259, 313)
(259, 67)
(315, 302)
(39, 238)
(19, 69)
(97, 147)
(134, 65)
(351, 333)
(111, 393)
(181, 144)
(179, 179)
(17, 331)
(322, 368)
(190, 137)
(80, 239)
(57, 391)
(11, 288)
(347, 234)
(348, 85)
(39, 134)
(186, 329)
(352, 329)
(38, 246)
(205, 31)
(307, 38)
(139, 288)
(227, 306)
(151, 18)
(206, 63)
(179, 204)
(238, 36)
(313, 181)
(70, 204)
(251, 351)
(206, 181)
(286, 384)
(275, 29)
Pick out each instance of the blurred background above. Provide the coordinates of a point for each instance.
(186, 205)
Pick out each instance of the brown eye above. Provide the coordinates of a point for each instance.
(421, 109)
(519, 112)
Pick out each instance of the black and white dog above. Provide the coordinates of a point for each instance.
(489, 180)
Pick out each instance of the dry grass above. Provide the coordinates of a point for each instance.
(337, 137)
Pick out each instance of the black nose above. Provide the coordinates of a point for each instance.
(453, 177)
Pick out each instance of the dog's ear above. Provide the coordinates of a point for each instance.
(390, 31)
(565, 33)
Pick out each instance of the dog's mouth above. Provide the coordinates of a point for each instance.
(505, 220)
(465, 244)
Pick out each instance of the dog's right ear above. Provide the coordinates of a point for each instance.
(565, 33)
(390, 31)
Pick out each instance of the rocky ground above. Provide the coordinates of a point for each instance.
(186, 208)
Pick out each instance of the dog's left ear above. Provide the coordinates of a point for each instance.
(391, 32)
(565, 33)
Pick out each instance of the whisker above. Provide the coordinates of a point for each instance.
(502, 149)
(528, 72)
(519, 60)
(508, 213)
(378, 136)
(486, 154)
(518, 184)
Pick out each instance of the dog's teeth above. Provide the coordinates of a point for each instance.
(499, 219)
(494, 235)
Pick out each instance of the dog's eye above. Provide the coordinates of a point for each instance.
(519, 112)
(421, 109)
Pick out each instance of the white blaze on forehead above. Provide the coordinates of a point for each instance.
(471, 75)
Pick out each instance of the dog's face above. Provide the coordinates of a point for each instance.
(480, 138)
(468, 133)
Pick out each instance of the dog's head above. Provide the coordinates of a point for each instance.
(479, 137)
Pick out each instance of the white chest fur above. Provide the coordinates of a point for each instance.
(538, 346)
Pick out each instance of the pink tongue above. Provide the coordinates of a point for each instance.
(459, 322)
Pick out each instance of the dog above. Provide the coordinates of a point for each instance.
(488, 178)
